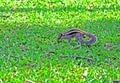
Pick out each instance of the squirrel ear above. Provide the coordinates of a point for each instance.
(61, 34)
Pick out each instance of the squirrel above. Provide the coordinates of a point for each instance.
(79, 35)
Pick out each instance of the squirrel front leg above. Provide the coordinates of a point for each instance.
(69, 39)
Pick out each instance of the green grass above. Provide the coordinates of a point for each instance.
(29, 51)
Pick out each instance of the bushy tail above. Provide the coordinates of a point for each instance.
(90, 41)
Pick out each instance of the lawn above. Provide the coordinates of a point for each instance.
(30, 53)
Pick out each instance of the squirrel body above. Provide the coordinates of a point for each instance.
(79, 35)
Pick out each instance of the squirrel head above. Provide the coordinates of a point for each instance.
(61, 35)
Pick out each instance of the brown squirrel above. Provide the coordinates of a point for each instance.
(79, 35)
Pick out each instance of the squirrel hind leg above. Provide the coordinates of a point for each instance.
(79, 37)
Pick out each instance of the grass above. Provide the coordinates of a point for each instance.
(29, 51)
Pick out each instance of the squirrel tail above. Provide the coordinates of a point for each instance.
(90, 41)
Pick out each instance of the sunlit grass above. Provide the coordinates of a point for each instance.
(29, 51)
